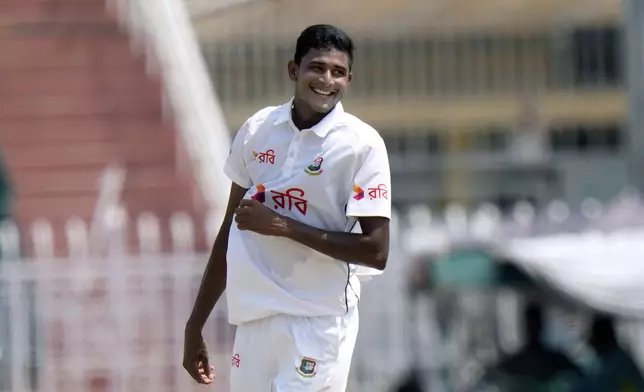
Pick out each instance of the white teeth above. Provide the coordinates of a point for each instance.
(321, 92)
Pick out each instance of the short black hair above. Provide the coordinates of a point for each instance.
(323, 37)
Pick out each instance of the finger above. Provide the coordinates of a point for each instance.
(241, 211)
(203, 371)
(206, 369)
(242, 218)
(193, 369)
(206, 379)
(247, 203)
(197, 373)
(208, 374)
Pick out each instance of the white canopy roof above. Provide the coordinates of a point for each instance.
(604, 271)
(595, 257)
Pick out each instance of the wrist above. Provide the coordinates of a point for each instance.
(284, 228)
(194, 325)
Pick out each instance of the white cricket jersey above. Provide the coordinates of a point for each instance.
(325, 177)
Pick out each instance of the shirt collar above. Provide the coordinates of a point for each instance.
(322, 128)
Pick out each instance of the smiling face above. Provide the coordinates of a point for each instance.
(321, 78)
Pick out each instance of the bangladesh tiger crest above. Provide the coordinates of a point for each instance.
(307, 367)
(315, 169)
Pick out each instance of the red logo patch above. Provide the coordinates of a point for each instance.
(267, 156)
(379, 192)
(359, 192)
(260, 195)
(291, 198)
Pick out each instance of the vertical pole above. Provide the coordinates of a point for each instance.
(634, 61)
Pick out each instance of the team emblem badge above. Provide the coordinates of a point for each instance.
(307, 367)
(315, 168)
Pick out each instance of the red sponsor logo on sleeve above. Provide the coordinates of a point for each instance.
(379, 192)
(359, 193)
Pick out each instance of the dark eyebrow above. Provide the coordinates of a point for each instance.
(315, 62)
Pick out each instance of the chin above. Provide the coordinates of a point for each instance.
(318, 104)
(323, 107)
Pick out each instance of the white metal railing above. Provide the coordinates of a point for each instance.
(126, 328)
(110, 189)
(431, 231)
(163, 30)
(116, 318)
(124, 331)
(129, 318)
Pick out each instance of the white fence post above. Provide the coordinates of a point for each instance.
(77, 238)
(9, 241)
(183, 233)
(149, 234)
(43, 239)
(19, 344)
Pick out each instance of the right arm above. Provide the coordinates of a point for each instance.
(213, 282)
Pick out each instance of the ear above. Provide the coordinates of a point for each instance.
(293, 69)
(350, 77)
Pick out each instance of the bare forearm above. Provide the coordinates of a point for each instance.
(213, 283)
(349, 247)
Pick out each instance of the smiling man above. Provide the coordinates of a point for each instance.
(308, 212)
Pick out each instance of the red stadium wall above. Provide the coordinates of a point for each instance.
(74, 97)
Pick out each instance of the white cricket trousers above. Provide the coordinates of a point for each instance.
(285, 353)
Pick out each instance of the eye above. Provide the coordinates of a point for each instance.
(316, 68)
(338, 73)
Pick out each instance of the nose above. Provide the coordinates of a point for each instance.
(326, 78)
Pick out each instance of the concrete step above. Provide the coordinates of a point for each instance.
(100, 51)
(21, 12)
(80, 129)
(77, 80)
(98, 104)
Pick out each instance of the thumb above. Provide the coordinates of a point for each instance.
(247, 202)
(205, 365)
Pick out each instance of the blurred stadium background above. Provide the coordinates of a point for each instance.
(505, 121)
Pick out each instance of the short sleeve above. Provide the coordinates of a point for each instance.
(235, 166)
(371, 193)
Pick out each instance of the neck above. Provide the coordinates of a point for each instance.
(303, 116)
